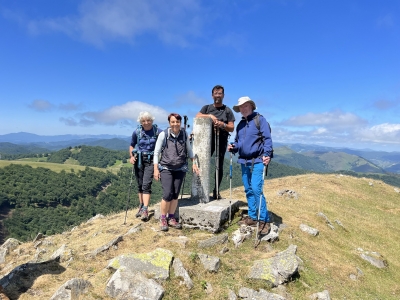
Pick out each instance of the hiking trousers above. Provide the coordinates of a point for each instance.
(253, 186)
(144, 176)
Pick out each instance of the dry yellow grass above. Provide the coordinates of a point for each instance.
(369, 214)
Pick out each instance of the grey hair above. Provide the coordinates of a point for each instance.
(145, 115)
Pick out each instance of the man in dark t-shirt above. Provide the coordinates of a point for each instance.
(223, 119)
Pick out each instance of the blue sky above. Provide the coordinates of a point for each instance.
(321, 72)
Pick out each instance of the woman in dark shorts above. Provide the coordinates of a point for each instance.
(171, 155)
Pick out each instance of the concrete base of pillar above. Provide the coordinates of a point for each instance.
(204, 216)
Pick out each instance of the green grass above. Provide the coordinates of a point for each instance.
(51, 166)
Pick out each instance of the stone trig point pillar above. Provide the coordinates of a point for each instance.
(202, 148)
(199, 212)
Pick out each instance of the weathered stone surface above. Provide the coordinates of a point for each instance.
(210, 263)
(72, 289)
(215, 240)
(155, 264)
(59, 252)
(249, 294)
(231, 295)
(22, 277)
(309, 230)
(126, 284)
(134, 229)
(9, 245)
(98, 216)
(278, 269)
(180, 271)
(201, 148)
(107, 246)
(374, 259)
(180, 240)
(207, 216)
(324, 295)
(328, 222)
(288, 194)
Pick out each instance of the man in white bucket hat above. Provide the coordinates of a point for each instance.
(253, 143)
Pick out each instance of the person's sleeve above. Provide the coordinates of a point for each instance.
(236, 143)
(266, 132)
(189, 147)
(134, 139)
(203, 109)
(158, 146)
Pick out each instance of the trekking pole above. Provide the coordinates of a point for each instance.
(230, 190)
(185, 118)
(129, 193)
(217, 161)
(259, 208)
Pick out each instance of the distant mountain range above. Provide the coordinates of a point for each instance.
(308, 157)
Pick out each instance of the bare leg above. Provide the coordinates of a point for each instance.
(165, 207)
(146, 199)
(140, 196)
(172, 207)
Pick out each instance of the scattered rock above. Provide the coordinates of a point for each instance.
(278, 269)
(98, 216)
(9, 245)
(396, 190)
(320, 214)
(215, 240)
(107, 246)
(324, 295)
(180, 240)
(155, 264)
(249, 294)
(72, 289)
(208, 288)
(224, 250)
(127, 284)
(134, 229)
(374, 259)
(180, 271)
(273, 234)
(288, 194)
(309, 229)
(210, 263)
(241, 234)
(231, 295)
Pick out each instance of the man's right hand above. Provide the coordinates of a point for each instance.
(132, 160)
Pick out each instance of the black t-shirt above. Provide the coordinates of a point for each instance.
(223, 113)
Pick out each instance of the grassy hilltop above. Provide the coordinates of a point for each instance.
(368, 209)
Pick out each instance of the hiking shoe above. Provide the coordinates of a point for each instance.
(248, 222)
(139, 213)
(215, 196)
(264, 228)
(163, 224)
(174, 223)
(145, 215)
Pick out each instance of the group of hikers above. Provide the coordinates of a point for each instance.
(163, 155)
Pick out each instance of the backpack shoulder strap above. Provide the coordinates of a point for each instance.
(138, 133)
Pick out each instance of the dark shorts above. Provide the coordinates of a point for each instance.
(144, 176)
(171, 182)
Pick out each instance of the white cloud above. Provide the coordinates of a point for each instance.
(122, 115)
(173, 21)
(336, 129)
(333, 119)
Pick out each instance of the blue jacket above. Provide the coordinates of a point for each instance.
(248, 142)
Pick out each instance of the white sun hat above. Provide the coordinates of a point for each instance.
(243, 100)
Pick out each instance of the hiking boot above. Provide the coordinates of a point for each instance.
(172, 222)
(145, 215)
(139, 213)
(215, 196)
(248, 222)
(163, 224)
(264, 228)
